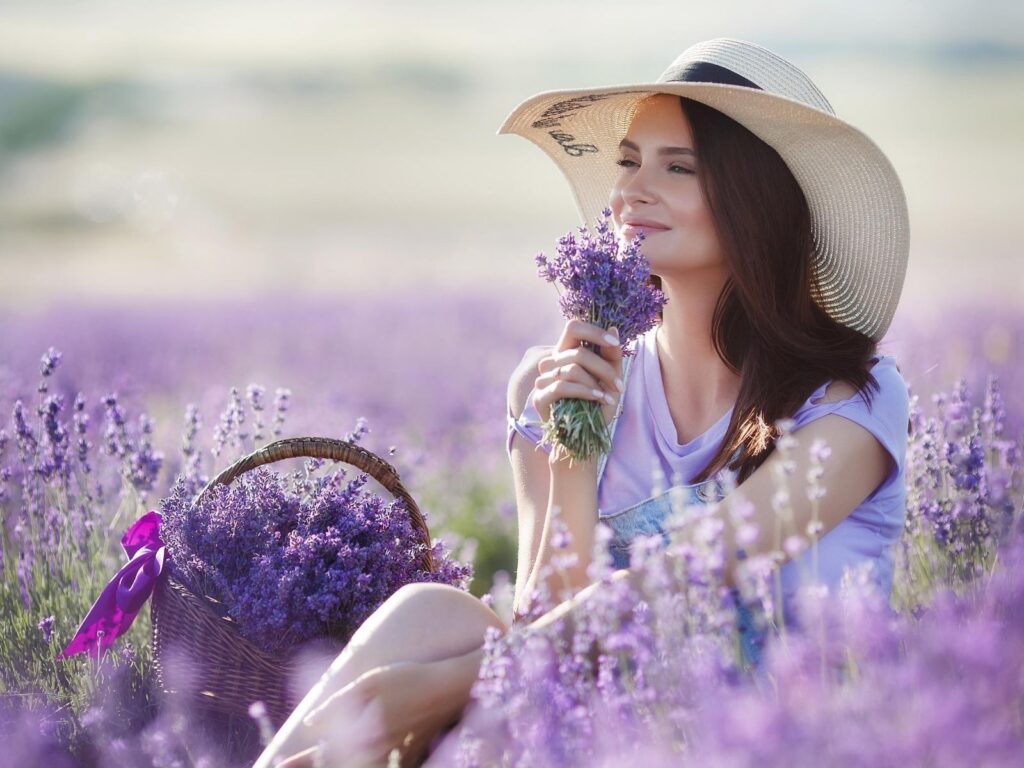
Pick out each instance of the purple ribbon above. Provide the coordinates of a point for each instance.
(121, 600)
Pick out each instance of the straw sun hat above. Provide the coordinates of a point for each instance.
(858, 210)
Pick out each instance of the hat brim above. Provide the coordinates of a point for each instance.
(858, 208)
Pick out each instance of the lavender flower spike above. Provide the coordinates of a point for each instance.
(605, 282)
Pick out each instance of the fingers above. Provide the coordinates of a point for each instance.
(576, 331)
(574, 370)
(571, 381)
(605, 369)
(571, 372)
(561, 389)
(584, 366)
(349, 699)
(304, 759)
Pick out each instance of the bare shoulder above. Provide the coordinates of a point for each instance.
(521, 382)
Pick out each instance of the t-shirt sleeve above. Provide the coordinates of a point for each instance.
(527, 424)
(886, 418)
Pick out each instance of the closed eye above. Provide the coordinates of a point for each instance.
(625, 163)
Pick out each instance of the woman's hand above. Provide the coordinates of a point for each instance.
(574, 371)
(394, 706)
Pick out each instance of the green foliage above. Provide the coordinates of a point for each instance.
(469, 507)
(63, 581)
(577, 428)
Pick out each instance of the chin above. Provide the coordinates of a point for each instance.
(653, 258)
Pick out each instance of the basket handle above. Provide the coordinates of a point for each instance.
(338, 450)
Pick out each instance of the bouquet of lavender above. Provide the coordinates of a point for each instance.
(294, 564)
(606, 283)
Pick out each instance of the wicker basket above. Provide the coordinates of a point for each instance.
(226, 673)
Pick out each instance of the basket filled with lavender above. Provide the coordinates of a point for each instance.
(257, 567)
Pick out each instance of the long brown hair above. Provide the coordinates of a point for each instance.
(766, 327)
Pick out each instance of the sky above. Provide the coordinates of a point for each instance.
(201, 148)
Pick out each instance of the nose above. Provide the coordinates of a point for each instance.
(635, 187)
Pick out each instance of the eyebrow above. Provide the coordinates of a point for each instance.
(662, 151)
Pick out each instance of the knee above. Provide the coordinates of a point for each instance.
(443, 601)
(423, 591)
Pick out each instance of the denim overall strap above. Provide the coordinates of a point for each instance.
(646, 518)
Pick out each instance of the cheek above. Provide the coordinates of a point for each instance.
(703, 215)
(694, 217)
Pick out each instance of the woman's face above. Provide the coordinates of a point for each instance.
(657, 191)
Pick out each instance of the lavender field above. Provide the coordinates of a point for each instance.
(102, 409)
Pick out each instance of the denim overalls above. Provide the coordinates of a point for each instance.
(647, 517)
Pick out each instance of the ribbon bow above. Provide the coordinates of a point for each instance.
(123, 597)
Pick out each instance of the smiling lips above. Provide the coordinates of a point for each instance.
(645, 224)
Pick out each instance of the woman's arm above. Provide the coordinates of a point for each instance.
(573, 489)
(570, 370)
(530, 475)
(857, 465)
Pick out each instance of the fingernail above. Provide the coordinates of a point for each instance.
(619, 385)
(613, 340)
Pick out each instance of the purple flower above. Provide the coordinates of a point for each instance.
(47, 365)
(115, 434)
(145, 461)
(54, 457)
(189, 451)
(81, 427)
(46, 627)
(24, 435)
(362, 430)
(133, 446)
(607, 283)
(604, 281)
(127, 653)
(297, 563)
(254, 393)
(230, 430)
(282, 401)
(993, 411)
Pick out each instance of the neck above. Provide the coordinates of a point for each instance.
(696, 379)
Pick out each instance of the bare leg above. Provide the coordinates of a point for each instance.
(421, 622)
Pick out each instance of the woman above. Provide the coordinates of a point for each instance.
(779, 236)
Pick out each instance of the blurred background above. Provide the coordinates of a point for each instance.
(312, 195)
(154, 149)
(243, 220)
